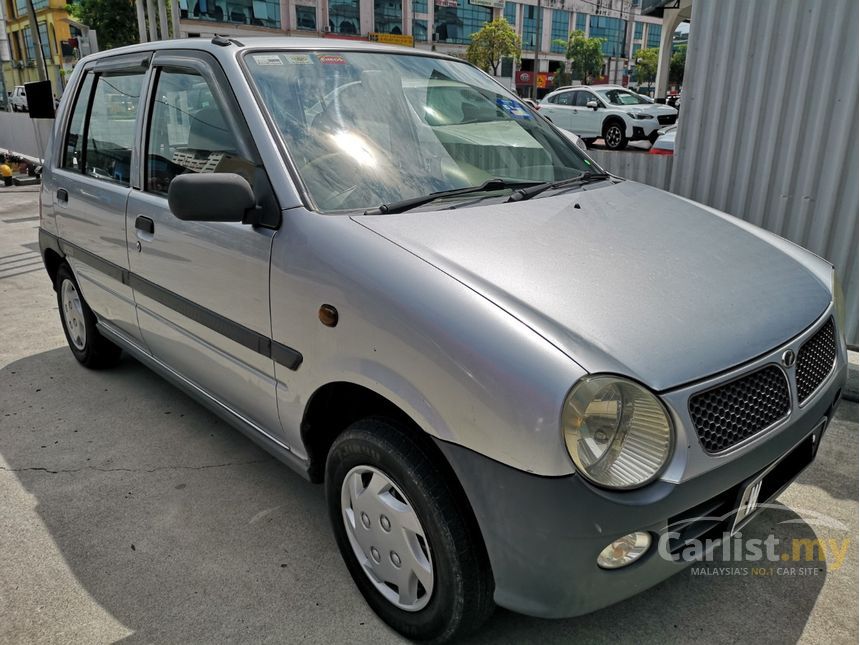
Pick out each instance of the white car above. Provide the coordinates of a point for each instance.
(19, 99)
(610, 112)
(665, 143)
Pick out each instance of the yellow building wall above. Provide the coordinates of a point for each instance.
(58, 31)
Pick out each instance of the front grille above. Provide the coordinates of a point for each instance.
(667, 119)
(815, 360)
(741, 408)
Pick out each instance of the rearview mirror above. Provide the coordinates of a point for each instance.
(211, 197)
(591, 104)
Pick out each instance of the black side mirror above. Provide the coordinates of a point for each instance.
(211, 197)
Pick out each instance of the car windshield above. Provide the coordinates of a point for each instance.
(369, 128)
(623, 97)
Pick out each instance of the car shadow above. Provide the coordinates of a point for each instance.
(184, 531)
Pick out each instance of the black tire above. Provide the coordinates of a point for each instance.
(653, 137)
(97, 351)
(589, 143)
(462, 594)
(614, 136)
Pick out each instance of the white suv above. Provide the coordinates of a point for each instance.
(19, 99)
(609, 111)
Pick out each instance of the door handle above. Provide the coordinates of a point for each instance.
(62, 195)
(144, 224)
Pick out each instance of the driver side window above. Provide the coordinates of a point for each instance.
(582, 98)
(188, 132)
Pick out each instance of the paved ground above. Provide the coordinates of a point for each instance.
(129, 513)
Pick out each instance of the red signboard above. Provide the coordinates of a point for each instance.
(523, 77)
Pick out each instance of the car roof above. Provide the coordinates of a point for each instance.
(219, 44)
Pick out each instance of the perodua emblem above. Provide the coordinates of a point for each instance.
(788, 358)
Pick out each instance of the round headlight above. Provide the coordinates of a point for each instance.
(618, 434)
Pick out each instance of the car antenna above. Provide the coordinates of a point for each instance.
(224, 41)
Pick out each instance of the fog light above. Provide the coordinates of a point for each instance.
(625, 550)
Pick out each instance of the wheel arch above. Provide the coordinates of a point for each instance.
(53, 261)
(613, 118)
(333, 407)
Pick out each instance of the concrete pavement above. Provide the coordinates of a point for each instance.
(129, 513)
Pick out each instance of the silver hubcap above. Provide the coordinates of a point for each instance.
(613, 136)
(387, 538)
(73, 315)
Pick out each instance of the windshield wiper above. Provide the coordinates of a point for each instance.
(582, 178)
(413, 202)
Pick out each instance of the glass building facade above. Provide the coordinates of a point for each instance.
(419, 6)
(637, 31)
(580, 22)
(306, 17)
(261, 13)
(344, 16)
(457, 24)
(511, 13)
(388, 16)
(654, 32)
(612, 31)
(530, 13)
(560, 31)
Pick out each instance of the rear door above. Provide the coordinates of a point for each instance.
(588, 120)
(202, 288)
(91, 184)
(559, 110)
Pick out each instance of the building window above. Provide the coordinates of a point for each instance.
(580, 22)
(457, 24)
(560, 26)
(637, 31)
(654, 32)
(306, 18)
(636, 48)
(261, 13)
(21, 7)
(511, 13)
(388, 16)
(530, 13)
(419, 30)
(419, 6)
(612, 31)
(344, 17)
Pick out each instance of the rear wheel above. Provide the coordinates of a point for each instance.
(90, 348)
(406, 533)
(614, 136)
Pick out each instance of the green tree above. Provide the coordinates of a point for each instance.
(493, 42)
(676, 65)
(585, 55)
(646, 65)
(115, 21)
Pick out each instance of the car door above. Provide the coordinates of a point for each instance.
(91, 184)
(559, 110)
(202, 288)
(588, 120)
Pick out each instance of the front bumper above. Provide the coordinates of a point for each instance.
(543, 534)
(644, 128)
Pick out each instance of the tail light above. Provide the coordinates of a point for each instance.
(660, 151)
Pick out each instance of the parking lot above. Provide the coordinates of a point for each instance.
(129, 513)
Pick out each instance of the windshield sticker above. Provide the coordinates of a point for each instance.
(331, 59)
(268, 59)
(513, 108)
(299, 59)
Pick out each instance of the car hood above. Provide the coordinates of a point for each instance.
(623, 278)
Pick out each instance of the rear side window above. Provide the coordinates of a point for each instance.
(72, 156)
(564, 99)
(110, 134)
(188, 132)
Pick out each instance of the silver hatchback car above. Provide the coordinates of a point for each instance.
(524, 382)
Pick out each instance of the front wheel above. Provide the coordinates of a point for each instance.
(614, 136)
(406, 533)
